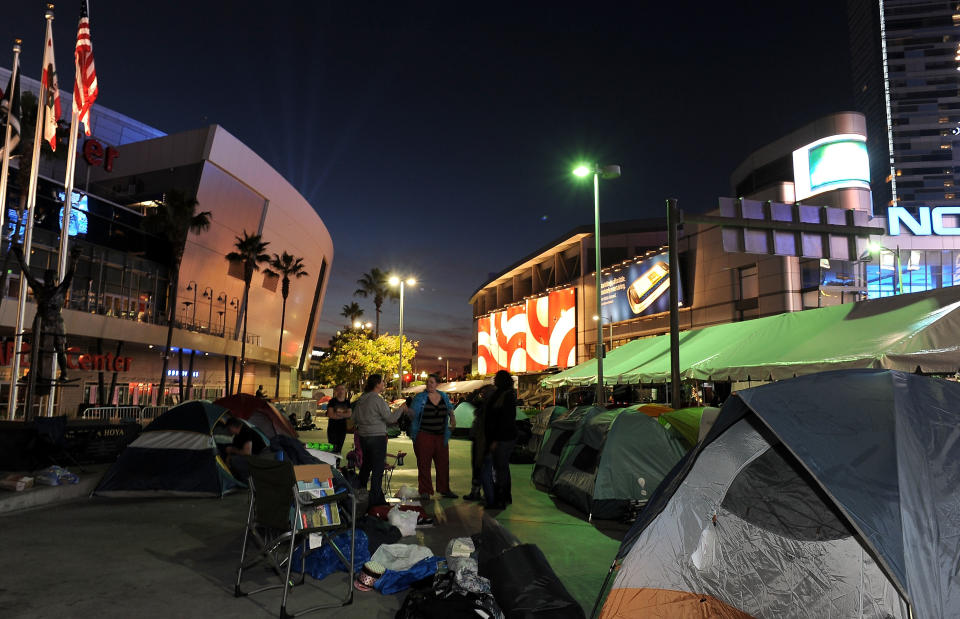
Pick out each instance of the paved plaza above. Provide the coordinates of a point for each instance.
(177, 557)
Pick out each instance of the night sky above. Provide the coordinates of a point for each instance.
(436, 139)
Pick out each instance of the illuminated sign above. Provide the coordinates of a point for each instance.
(637, 290)
(173, 373)
(836, 162)
(531, 336)
(78, 213)
(929, 221)
(94, 154)
(76, 360)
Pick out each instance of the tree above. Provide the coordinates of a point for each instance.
(374, 284)
(352, 312)
(284, 266)
(353, 356)
(172, 221)
(250, 254)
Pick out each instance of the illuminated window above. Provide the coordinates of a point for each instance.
(943, 147)
(946, 196)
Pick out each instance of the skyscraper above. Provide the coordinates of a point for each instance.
(906, 70)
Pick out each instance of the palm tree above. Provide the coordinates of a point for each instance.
(285, 266)
(374, 284)
(250, 254)
(173, 220)
(352, 312)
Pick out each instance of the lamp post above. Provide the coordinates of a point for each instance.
(446, 374)
(875, 248)
(366, 326)
(208, 294)
(609, 324)
(606, 172)
(222, 298)
(192, 285)
(397, 281)
(235, 304)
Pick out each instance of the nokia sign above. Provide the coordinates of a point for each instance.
(928, 221)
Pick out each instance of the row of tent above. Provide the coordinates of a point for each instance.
(830, 495)
(607, 462)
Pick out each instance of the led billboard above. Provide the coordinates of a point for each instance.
(639, 289)
(831, 163)
(532, 336)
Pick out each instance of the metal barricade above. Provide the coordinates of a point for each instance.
(111, 412)
(149, 413)
(297, 406)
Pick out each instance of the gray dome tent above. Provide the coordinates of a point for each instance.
(833, 494)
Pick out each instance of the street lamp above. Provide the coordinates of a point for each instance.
(192, 285)
(607, 172)
(208, 294)
(362, 325)
(446, 374)
(610, 324)
(397, 281)
(875, 248)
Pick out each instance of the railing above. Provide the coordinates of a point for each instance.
(149, 413)
(111, 412)
(297, 406)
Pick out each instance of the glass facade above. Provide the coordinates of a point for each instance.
(923, 269)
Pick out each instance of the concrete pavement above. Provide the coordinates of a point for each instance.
(78, 557)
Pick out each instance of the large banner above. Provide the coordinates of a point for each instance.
(637, 290)
(530, 337)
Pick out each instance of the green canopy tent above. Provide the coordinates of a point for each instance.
(903, 332)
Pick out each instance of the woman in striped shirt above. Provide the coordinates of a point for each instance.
(430, 430)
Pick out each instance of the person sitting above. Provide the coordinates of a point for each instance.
(260, 392)
(246, 443)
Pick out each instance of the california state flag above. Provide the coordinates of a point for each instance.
(50, 91)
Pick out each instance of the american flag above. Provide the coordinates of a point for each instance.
(85, 89)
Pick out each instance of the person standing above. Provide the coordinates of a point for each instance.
(371, 416)
(500, 427)
(430, 430)
(478, 441)
(338, 411)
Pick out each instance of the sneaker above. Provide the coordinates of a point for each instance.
(449, 495)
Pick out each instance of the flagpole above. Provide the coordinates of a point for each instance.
(5, 171)
(28, 240)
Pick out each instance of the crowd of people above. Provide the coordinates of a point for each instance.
(429, 419)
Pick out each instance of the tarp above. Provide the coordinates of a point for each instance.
(902, 332)
(456, 386)
(176, 455)
(879, 449)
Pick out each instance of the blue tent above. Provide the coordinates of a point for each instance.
(176, 455)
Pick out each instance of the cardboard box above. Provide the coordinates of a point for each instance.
(309, 472)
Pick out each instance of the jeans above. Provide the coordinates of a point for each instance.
(496, 475)
(374, 450)
(336, 437)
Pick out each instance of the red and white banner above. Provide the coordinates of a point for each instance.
(530, 337)
(49, 91)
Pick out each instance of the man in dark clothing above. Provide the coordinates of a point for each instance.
(500, 428)
(246, 443)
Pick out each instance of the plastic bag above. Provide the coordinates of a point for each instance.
(404, 520)
(406, 492)
(55, 476)
(400, 557)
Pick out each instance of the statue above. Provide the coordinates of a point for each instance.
(50, 298)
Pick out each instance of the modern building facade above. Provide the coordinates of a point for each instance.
(905, 59)
(120, 293)
(818, 173)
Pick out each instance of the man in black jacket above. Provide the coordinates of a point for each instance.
(500, 428)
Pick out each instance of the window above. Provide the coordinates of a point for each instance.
(749, 287)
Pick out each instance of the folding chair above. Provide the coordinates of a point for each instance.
(389, 468)
(272, 527)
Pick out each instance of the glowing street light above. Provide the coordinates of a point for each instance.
(607, 172)
(446, 374)
(398, 281)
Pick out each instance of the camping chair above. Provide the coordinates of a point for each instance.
(272, 527)
(389, 468)
(52, 440)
